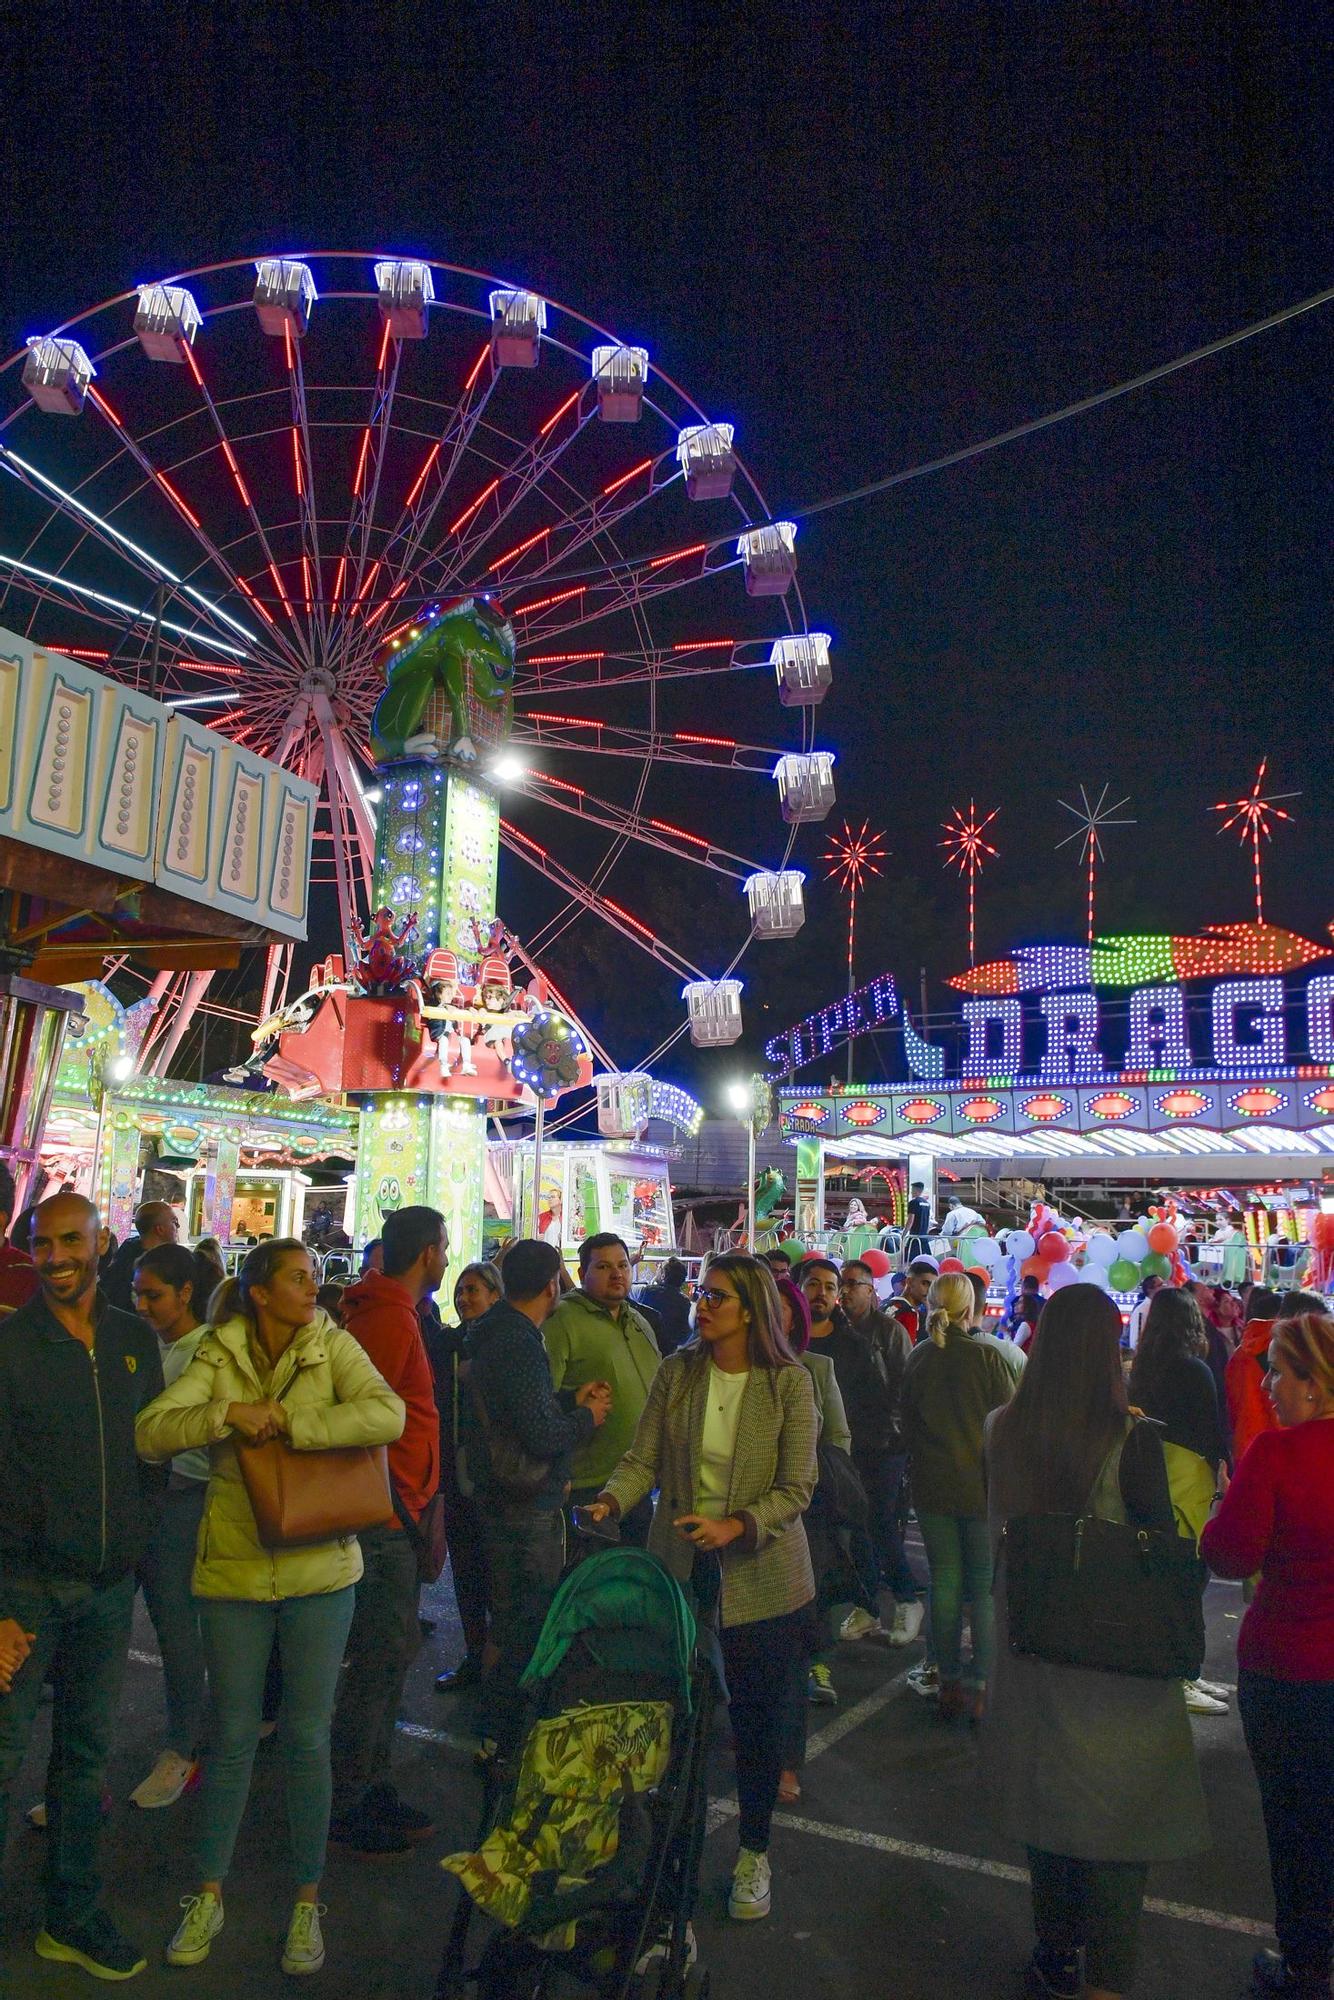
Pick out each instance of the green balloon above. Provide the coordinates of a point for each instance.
(792, 1250)
(1156, 1266)
(1123, 1276)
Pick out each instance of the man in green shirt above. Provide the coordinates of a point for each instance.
(597, 1335)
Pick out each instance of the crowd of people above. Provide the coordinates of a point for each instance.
(764, 1440)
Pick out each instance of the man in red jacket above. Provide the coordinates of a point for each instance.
(380, 1310)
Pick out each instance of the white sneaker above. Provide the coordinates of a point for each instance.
(304, 1950)
(860, 1624)
(750, 1887)
(924, 1681)
(36, 1816)
(1200, 1703)
(196, 1930)
(1218, 1689)
(165, 1782)
(907, 1623)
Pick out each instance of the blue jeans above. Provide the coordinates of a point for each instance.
(882, 1474)
(958, 1552)
(164, 1577)
(81, 1639)
(238, 1637)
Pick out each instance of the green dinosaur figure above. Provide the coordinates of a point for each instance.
(770, 1187)
(465, 654)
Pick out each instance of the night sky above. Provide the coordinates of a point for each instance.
(866, 235)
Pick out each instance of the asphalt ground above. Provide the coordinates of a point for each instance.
(888, 1878)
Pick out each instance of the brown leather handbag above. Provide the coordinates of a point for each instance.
(302, 1497)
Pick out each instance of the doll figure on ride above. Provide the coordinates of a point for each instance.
(495, 999)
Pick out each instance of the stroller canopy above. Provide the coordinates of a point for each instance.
(630, 1615)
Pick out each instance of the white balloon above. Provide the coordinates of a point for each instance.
(1020, 1244)
(1094, 1274)
(1133, 1245)
(1062, 1275)
(986, 1250)
(1100, 1250)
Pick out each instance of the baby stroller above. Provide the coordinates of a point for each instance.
(588, 1856)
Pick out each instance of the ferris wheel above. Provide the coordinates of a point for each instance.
(279, 465)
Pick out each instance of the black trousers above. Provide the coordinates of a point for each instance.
(381, 1646)
(525, 1548)
(763, 1662)
(465, 1538)
(1289, 1729)
(1090, 1904)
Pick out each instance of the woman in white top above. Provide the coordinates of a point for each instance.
(728, 1438)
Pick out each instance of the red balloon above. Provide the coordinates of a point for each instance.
(877, 1263)
(1053, 1247)
(1322, 1231)
(1163, 1239)
(948, 1264)
(1035, 1267)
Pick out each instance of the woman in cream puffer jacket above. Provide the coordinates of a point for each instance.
(272, 1365)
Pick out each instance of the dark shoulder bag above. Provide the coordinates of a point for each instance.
(427, 1535)
(1121, 1599)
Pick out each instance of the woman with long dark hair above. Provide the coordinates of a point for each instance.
(1277, 1517)
(1093, 1772)
(1171, 1382)
(476, 1290)
(272, 1366)
(167, 1290)
(727, 1436)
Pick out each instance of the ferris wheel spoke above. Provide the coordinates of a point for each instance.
(339, 761)
(356, 541)
(429, 490)
(575, 606)
(514, 483)
(592, 670)
(195, 527)
(544, 789)
(619, 499)
(244, 494)
(605, 739)
(303, 475)
(100, 607)
(601, 905)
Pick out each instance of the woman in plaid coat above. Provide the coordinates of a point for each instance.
(728, 1439)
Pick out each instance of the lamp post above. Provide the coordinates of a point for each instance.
(741, 1098)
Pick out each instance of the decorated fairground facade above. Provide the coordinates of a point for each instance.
(1202, 1062)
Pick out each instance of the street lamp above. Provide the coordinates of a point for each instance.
(741, 1099)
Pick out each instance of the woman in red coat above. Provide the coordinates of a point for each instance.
(1277, 1517)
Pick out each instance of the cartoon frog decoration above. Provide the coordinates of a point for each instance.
(458, 674)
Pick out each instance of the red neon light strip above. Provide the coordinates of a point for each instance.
(361, 464)
(83, 652)
(545, 603)
(235, 470)
(370, 577)
(551, 422)
(287, 345)
(188, 352)
(305, 575)
(170, 490)
(560, 659)
(625, 917)
(422, 476)
(104, 406)
(695, 549)
(273, 572)
(721, 742)
(665, 826)
(468, 512)
(296, 462)
(560, 784)
(338, 579)
(258, 603)
(626, 477)
(477, 368)
(384, 349)
(701, 645)
(500, 561)
(565, 721)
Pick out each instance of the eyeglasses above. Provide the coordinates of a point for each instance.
(709, 1295)
(855, 1285)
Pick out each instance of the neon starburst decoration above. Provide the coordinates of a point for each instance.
(851, 858)
(966, 850)
(1093, 816)
(1252, 815)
